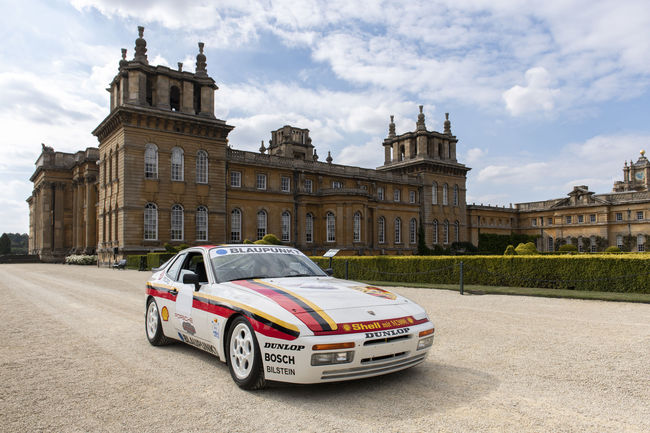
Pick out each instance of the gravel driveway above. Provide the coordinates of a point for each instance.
(74, 357)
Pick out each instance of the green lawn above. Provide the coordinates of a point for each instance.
(526, 291)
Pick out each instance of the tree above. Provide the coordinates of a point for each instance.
(5, 244)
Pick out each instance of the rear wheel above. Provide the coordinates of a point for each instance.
(152, 325)
(244, 357)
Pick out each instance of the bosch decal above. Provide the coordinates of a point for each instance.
(282, 346)
(280, 359)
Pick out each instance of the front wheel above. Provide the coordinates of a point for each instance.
(152, 325)
(244, 357)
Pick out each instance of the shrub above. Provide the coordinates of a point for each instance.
(612, 249)
(154, 260)
(568, 248)
(526, 249)
(133, 262)
(269, 239)
(5, 244)
(80, 259)
(248, 241)
(170, 248)
(598, 272)
(510, 251)
(491, 243)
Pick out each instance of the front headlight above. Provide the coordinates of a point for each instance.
(332, 358)
(425, 342)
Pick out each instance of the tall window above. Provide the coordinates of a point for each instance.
(434, 193)
(411, 196)
(150, 222)
(413, 231)
(445, 195)
(308, 185)
(396, 195)
(435, 231)
(202, 166)
(592, 218)
(201, 223)
(398, 231)
(151, 161)
(337, 184)
(177, 222)
(455, 195)
(285, 184)
(380, 193)
(456, 231)
(640, 243)
(593, 247)
(619, 242)
(639, 215)
(235, 179)
(309, 228)
(551, 247)
(177, 164)
(331, 227)
(356, 227)
(619, 216)
(286, 226)
(261, 181)
(235, 225)
(381, 230)
(261, 224)
(445, 232)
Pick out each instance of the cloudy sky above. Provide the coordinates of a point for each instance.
(542, 95)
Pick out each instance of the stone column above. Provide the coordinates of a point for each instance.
(59, 217)
(48, 216)
(91, 215)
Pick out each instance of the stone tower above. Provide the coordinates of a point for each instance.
(635, 175)
(161, 152)
(431, 157)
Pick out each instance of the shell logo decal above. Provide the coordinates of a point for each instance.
(375, 291)
(164, 314)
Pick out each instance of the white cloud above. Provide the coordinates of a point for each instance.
(368, 155)
(536, 96)
(475, 154)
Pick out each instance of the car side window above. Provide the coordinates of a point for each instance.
(193, 263)
(172, 272)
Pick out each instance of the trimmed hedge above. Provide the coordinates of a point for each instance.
(605, 273)
(154, 260)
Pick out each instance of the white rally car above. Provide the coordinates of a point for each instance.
(272, 314)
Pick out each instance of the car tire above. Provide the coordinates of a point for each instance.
(153, 325)
(244, 356)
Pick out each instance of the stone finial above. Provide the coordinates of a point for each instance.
(262, 148)
(420, 123)
(141, 47)
(447, 124)
(123, 62)
(329, 158)
(315, 155)
(391, 127)
(200, 61)
(180, 66)
(625, 163)
(642, 152)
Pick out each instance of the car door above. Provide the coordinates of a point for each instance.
(188, 320)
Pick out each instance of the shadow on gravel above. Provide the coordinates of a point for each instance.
(419, 391)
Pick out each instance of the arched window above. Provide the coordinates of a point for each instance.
(177, 164)
(356, 227)
(235, 225)
(150, 222)
(445, 195)
(457, 231)
(201, 223)
(435, 231)
(177, 222)
(640, 243)
(331, 227)
(175, 98)
(434, 193)
(381, 230)
(261, 224)
(151, 161)
(286, 226)
(445, 232)
(455, 195)
(309, 228)
(413, 231)
(398, 231)
(202, 166)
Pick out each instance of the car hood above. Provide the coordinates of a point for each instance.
(326, 304)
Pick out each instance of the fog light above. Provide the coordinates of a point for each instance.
(425, 342)
(332, 358)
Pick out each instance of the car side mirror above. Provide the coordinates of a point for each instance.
(191, 278)
(329, 271)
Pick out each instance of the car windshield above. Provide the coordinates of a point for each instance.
(246, 262)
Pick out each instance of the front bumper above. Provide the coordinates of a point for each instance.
(374, 354)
